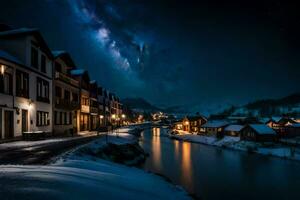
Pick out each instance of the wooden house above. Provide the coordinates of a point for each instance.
(213, 127)
(233, 130)
(192, 124)
(258, 133)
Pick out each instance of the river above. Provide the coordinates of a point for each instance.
(213, 173)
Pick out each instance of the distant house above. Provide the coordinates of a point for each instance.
(258, 133)
(192, 124)
(279, 122)
(233, 130)
(213, 127)
(293, 130)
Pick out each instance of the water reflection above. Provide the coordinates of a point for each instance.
(213, 173)
(156, 149)
(186, 164)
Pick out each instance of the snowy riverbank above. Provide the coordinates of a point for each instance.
(78, 174)
(234, 143)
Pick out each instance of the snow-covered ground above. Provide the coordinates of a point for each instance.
(235, 143)
(76, 175)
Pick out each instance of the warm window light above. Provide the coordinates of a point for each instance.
(2, 69)
(101, 116)
(186, 123)
(113, 116)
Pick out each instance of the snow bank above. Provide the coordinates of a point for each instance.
(78, 176)
(277, 150)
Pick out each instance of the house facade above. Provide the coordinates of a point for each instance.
(258, 133)
(26, 83)
(66, 95)
(83, 113)
(192, 124)
(94, 106)
(213, 128)
(233, 130)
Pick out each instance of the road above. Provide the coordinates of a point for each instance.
(39, 152)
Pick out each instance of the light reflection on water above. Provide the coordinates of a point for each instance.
(213, 173)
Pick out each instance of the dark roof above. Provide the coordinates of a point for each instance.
(28, 31)
(194, 118)
(9, 57)
(66, 57)
(262, 129)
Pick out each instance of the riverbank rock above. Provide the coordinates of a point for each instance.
(128, 154)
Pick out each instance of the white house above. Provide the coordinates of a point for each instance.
(26, 70)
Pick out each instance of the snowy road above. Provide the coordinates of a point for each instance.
(38, 152)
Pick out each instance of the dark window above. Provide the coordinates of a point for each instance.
(43, 63)
(70, 118)
(58, 91)
(34, 57)
(42, 118)
(6, 83)
(60, 117)
(67, 95)
(75, 97)
(65, 118)
(22, 84)
(58, 67)
(42, 90)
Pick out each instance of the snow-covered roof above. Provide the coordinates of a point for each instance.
(93, 81)
(18, 31)
(9, 57)
(215, 124)
(296, 125)
(263, 129)
(58, 53)
(276, 119)
(234, 128)
(77, 72)
(264, 120)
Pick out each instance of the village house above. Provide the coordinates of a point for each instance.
(66, 95)
(94, 108)
(26, 83)
(106, 101)
(213, 128)
(101, 106)
(192, 124)
(293, 130)
(258, 133)
(233, 130)
(281, 125)
(279, 122)
(83, 113)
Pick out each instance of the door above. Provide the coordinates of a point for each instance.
(24, 121)
(8, 124)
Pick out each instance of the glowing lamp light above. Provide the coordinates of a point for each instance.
(101, 116)
(113, 116)
(186, 123)
(2, 69)
(123, 116)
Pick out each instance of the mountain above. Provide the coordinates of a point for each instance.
(140, 104)
(269, 107)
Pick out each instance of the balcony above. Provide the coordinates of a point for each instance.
(65, 78)
(66, 104)
(94, 110)
(85, 109)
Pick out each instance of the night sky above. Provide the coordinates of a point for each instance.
(174, 52)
